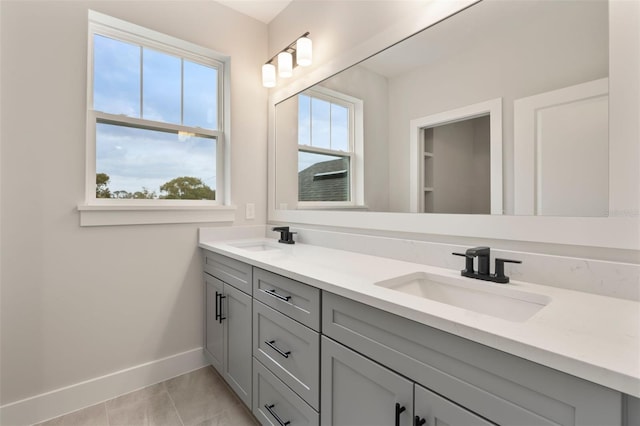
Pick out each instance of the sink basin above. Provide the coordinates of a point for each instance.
(256, 245)
(496, 300)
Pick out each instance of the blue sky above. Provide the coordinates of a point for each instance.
(136, 158)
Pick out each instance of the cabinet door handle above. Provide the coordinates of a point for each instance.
(399, 410)
(221, 317)
(277, 296)
(217, 306)
(419, 421)
(275, 416)
(270, 343)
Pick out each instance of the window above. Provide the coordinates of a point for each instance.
(156, 118)
(329, 149)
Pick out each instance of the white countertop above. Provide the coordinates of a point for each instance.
(589, 336)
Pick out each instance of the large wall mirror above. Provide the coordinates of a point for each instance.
(500, 109)
(420, 126)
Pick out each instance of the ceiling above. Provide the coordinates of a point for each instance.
(450, 37)
(262, 10)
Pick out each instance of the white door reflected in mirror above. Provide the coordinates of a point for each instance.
(562, 151)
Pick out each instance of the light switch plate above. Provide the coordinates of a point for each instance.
(250, 211)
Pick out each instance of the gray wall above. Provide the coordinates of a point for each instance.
(78, 303)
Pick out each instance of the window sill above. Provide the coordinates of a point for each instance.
(359, 207)
(109, 215)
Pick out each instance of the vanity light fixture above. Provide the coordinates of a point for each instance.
(285, 64)
(269, 75)
(304, 51)
(297, 53)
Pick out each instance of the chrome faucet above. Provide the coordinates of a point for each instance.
(484, 254)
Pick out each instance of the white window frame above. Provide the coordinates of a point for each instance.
(101, 211)
(356, 148)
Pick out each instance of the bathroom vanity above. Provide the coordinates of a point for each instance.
(313, 335)
(404, 343)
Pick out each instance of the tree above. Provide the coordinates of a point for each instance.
(102, 186)
(121, 194)
(144, 194)
(187, 188)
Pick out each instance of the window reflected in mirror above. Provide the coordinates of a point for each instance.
(328, 144)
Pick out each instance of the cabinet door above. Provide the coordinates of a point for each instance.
(213, 327)
(438, 411)
(356, 391)
(237, 336)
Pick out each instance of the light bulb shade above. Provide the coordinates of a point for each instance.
(269, 75)
(285, 64)
(304, 51)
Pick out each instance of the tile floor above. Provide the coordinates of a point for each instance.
(199, 398)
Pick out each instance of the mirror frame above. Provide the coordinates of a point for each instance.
(621, 230)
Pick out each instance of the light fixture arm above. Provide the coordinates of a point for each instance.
(291, 48)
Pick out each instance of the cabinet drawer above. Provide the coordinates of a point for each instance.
(289, 349)
(231, 271)
(275, 404)
(294, 299)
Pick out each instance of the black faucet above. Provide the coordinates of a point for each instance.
(286, 236)
(483, 254)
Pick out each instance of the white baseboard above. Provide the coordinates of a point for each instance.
(61, 401)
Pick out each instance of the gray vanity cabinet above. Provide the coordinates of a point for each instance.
(359, 392)
(228, 313)
(481, 381)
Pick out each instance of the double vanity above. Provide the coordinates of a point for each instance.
(309, 335)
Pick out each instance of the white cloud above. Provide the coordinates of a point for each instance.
(136, 158)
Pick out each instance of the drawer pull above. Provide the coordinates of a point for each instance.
(277, 296)
(277, 349)
(399, 410)
(419, 421)
(275, 416)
